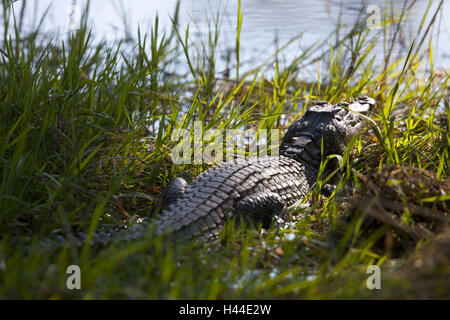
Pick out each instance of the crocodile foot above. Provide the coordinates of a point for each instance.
(261, 208)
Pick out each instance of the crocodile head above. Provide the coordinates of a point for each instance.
(335, 125)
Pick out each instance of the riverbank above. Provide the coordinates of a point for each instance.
(86, 142)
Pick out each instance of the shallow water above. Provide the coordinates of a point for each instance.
(267, 24)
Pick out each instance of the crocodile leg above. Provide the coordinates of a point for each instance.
(174, 190)
(260, 207)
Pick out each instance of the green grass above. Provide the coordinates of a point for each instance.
(85, 143)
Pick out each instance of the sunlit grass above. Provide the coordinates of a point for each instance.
(85, 143)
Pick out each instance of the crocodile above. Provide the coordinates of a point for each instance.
(257, 190)
(260, 189)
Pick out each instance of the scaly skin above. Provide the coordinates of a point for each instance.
(257, 189)
(253, 189)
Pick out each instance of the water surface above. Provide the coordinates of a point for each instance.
(267, 24)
